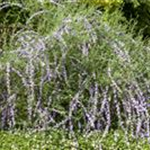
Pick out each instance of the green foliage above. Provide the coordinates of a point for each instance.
(103, 3)
(99, 34)
(132, 10)
(139, 11)
(84, 49)
(59, 140)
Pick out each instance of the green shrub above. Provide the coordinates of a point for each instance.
(132, 10)
(102, 3)
(75, 68)
(139, 11)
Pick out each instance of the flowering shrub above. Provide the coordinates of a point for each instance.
(79, 70)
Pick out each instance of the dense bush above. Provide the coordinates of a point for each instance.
(132, 9)
(139, 11)
(77, 68)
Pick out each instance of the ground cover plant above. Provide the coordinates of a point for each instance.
(74, 67)
(24, 140)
